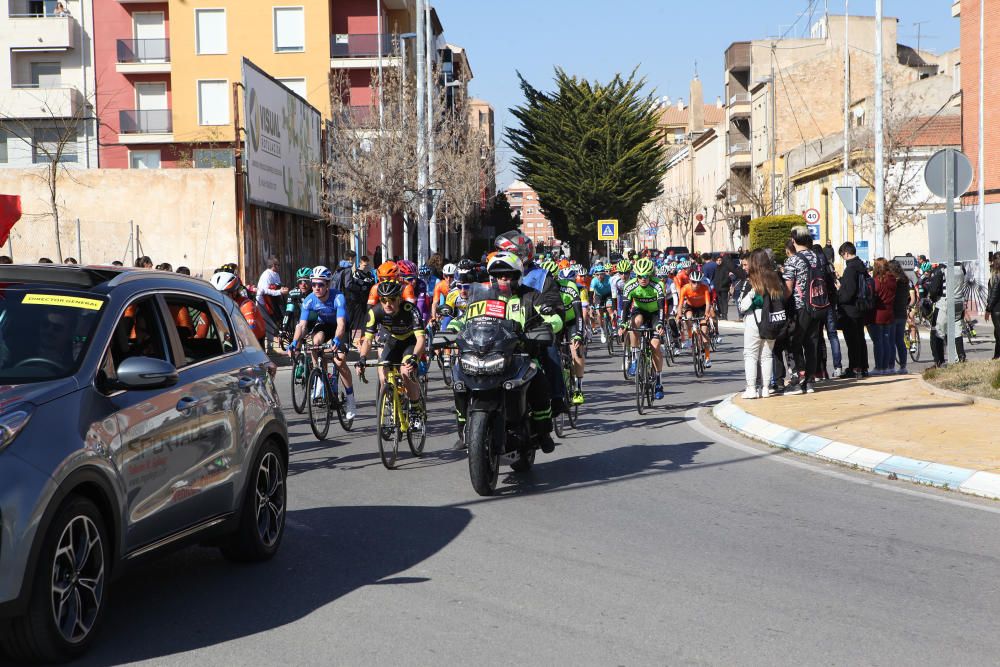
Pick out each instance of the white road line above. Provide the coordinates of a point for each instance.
(694, 422)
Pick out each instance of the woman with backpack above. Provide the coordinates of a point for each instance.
(885, 290)
(762, 305)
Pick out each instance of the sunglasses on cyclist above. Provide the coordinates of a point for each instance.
(389, 299)
(320, 284)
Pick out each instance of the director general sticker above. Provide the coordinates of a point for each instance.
(62, 300)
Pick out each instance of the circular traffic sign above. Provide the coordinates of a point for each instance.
(811, 216)
(958, 177)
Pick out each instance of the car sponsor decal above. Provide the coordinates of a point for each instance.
(64, 301)
(489, 308)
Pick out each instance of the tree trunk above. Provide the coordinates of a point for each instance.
(53, 175)
(462, 246)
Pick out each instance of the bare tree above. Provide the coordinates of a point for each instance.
(682, 207)
(753, 190)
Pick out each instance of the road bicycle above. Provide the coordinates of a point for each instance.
(609, 327)
(911, 338)
(397, 415)
(969, 329)
(569, 416)
(668, 343)
(323, 398)
(645, 372)
(626, 355)
(301, 366)
(713, 332)
(697, 345)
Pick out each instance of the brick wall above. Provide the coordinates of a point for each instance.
(970, 94)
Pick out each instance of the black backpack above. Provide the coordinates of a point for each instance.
(866, 293)
(773, 323)
(816, 300)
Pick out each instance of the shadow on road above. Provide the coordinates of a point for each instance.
(195, 598)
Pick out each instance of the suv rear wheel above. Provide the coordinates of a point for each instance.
(69, 591)
(262, 519)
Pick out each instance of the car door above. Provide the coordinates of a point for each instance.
(209, 367)
(157, 427)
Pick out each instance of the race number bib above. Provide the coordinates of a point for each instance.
(489, 308)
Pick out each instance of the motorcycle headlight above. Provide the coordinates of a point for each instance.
(11, 423)
(492, 364)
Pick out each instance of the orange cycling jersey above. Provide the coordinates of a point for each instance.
(681, 279)
(441, 291)
(253, 317)
(696, 295)
(408, 294)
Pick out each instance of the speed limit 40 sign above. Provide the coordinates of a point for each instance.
(811, 215)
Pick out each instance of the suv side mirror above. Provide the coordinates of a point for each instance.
(145, 373)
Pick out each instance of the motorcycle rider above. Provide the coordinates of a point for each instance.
(524, 306)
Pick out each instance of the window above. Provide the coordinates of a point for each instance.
(483, 118)
(3, 145)
(213, 103)
(210, 31)
(53, 143)
(138, 333)
(46, 75)
(213, 158)
(144, 159)
(289, 29)
(202, 336)
(296, 85)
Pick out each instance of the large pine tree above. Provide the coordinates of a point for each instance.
(590, 151)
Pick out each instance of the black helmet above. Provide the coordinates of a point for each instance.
(390, 288)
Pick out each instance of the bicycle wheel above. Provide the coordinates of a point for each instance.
(300, 378)
(914, 347)
(417, 436)
(445, 370)
(626, 358)
(667, 347)
(640, 379)
(572, 410)
(389, 434)
(651, 380)
(713, 336)
(698, 355)
(608, 333)
(341, 409)
(317, 396)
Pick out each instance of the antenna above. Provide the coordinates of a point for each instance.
(696, 69)
(918, 24)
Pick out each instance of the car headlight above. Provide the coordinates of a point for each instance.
(492, 364)
(11, 423)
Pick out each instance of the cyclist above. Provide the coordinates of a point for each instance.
(229, 284)
(600, 287)
(430, 279)
(414, 289)
(645, 301)
(405, 343)
(575, 318)
(695, 302)
(390, 271)
(441, 289)
(618, 282)
(523, 306)
(296, 295)
(326, 312)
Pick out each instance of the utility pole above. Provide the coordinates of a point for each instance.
(429, 46)
(878, 129)
(422, 230)
(847, 117)
(774, 137)
(384, 221)
(981, 165)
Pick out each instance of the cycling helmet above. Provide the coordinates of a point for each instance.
(305, 273)
(390, 288)
(517, 243)
(388, 271)
(406, 268)
(599, 268)
(563, 263)
(321, 273)
(466, 264)
(550, 267)
(695, 274)
(505, 264)
(465, 277)
(662, 271)
(225, 281)
(644, 267)
(448, 270)
(231, 267)
(569, 273)
(624, 266)
(424, 270)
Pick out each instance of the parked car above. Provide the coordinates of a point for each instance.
(137, 414)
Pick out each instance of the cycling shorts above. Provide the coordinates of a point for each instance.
(697, 312)
(602, 301)
(394, 349)
(649, 318)
(328, 330)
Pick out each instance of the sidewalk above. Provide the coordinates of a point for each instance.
(894, 426)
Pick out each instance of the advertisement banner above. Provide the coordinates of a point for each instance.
(282, 146)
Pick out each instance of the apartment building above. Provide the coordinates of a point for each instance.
(524, 202)
(47, 103)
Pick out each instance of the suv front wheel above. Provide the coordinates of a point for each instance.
(69, 591)
(262, 518)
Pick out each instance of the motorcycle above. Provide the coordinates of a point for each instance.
(494, 374)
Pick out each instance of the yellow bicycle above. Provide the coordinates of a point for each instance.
(398, 414)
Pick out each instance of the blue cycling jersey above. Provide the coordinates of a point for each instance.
(326, 311)
(602, 287)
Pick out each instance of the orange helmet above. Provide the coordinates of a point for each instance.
(388, 271)
(564, 263)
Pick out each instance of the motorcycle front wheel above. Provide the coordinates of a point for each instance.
(484, 463)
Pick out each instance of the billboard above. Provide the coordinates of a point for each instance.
(282, 145)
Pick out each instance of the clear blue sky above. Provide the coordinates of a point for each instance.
(663, 37)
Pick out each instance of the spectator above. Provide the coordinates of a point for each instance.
(709, 269)
(270, 293)
(757, 352)
(61, 10)
(165, 266)
(828, 252)
(4, 259)
(885, 292)
(143, 262)
(44, 260)
(992, 302)
(830, 325)
(116, 262)
(906, 297)
(724, 283)
(852, 315)
(70, 260)
(356, 295)
(183, 270)
(809, 319)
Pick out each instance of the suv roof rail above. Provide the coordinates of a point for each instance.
(130, 275)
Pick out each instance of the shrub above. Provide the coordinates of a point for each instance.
(995, 382)
(771, 231)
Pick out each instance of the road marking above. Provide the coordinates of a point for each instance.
(694, 421)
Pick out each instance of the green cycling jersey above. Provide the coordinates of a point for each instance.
(648, 299)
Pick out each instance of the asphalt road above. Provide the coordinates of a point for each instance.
(641, 540)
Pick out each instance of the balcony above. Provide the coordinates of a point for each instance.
(143, 56)
(145, 126)
(32, 32)
(30, 101)
(739, 105)
(739, 154)
(362, 51)
(738, 56)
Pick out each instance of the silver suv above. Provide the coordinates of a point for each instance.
(137, 413)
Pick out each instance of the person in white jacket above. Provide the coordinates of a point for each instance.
(758, 352)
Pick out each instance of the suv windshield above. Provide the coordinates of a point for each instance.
(44, 334)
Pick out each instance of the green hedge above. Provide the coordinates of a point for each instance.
(771, 231)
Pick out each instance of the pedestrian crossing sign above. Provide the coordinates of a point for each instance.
(607, 230)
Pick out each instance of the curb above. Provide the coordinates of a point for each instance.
(968, 399)
(732, 325)
(973, 482)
